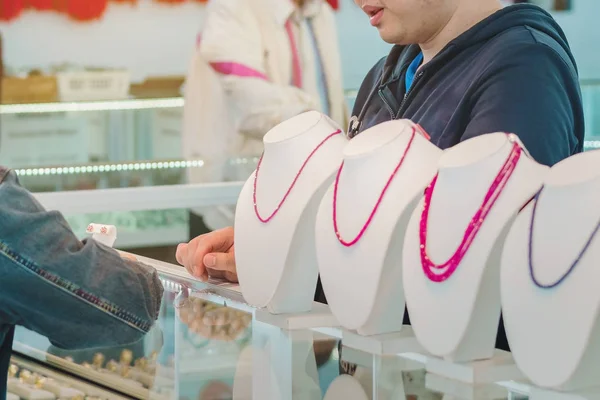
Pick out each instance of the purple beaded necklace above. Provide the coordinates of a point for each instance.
(530, 250)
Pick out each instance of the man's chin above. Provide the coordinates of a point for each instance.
(390, 37)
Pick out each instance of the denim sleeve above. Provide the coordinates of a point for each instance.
(77, 294)
(534, 93)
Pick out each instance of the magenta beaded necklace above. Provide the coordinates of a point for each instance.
(349, 243)
(475, 224)
(289, 190)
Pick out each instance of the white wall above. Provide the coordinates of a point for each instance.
(150, 39)
(360, 44)
(155, 39)
(582, 27)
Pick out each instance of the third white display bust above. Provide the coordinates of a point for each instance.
(361, 223)
(453, 243)
(550, 278)
(275, 213)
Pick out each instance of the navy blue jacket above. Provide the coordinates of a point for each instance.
(512, 72)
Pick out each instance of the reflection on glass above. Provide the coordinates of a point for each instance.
(208, 321)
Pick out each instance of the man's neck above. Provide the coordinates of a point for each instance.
(299, 3)
(467, 15)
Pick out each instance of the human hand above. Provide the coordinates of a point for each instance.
(211, 254)
(127, 256)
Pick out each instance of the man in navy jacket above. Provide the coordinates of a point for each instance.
(463, 68)
(490, 70)
(459, 68)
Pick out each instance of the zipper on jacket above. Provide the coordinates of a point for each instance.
(401, 109)
(387, 106)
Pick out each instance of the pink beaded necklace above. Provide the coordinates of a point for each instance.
(379, 200)
(476, 222)
(289, 190)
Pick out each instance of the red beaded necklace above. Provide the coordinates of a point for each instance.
(287, 193)
(377, 204)
(476, 222)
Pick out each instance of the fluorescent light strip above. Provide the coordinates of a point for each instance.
(129, 104)
(133, 166)
(87, 169)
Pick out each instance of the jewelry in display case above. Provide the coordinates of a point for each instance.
(140, 372)
(207, 320)
(29, 385)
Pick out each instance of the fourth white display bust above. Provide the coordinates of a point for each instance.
(276, 209)
(361, 223)
(550, 276)
(454, 240)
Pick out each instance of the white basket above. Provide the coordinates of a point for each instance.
(93, 85)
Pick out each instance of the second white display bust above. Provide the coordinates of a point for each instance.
(361, 223)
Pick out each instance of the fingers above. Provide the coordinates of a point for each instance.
(181, 249)
(223, 263)
(231, 276)
(191, 255)
(216, 242)
(183, 257)
(127, 256)
(227, 275)
(220, 261)
(219, 241)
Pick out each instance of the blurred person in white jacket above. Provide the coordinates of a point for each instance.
(256, 64)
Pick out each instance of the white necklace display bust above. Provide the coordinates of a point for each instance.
(550, 276)
(275, 213)
(457, 318)
(384, 172)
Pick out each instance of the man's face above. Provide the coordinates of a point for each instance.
(408, 21)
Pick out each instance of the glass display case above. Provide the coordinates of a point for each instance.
(207, 344)
(100, 145)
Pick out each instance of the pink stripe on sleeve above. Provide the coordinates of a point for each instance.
(236, 69)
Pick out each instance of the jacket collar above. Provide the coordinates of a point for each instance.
(283, 10)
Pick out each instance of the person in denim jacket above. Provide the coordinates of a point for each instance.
(79, 294)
